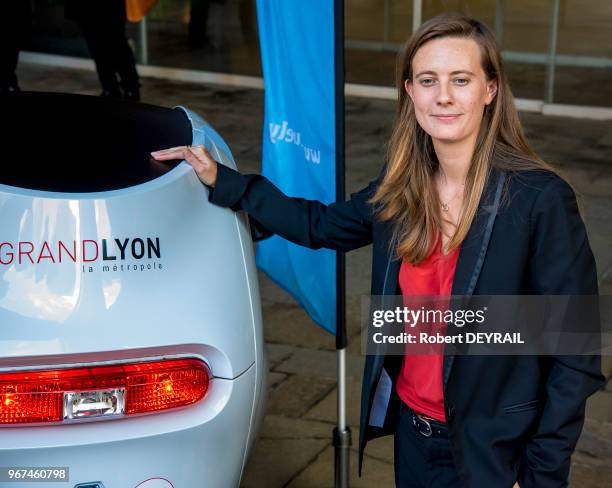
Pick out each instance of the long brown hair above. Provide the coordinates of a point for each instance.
(407, 195)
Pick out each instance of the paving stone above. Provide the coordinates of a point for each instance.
(274, 463)
(601, 245)
(599, 406)
(358, 341)
(320, 473)
(596, 441)
(567, 142)
(591, 467)
(597, 213)
(605, 284)
(585, 475)
(359, 267)
(279, 427)
(325, 410)
(606, 366)
(354, 311)
(278, 353)
(289, 324)
(588, 181)
(355, 346)
(320, 363)
(285, 322)
(297, 394)
(274, 379)
(272, 293)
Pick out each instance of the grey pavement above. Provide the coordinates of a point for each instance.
(294, 449)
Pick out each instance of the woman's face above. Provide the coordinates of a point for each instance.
(449, 89)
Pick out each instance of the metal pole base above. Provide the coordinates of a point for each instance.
(342, 444)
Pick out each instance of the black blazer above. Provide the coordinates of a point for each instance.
(510, 417)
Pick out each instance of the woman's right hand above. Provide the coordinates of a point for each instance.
(197, 156)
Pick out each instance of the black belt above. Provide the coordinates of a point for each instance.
(426, 426)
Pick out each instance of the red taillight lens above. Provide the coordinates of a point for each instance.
(38, 396)
(151, 386)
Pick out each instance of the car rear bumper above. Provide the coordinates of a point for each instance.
(200, 445)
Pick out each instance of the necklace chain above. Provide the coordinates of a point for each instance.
(446, 205)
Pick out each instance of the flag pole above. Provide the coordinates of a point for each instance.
(342, 433)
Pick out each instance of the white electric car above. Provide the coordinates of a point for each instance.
(131, 349)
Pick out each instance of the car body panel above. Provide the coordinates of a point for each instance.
(152, 271)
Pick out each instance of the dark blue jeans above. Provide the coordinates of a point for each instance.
(422, 462)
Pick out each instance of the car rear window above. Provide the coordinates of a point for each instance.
(76, 143)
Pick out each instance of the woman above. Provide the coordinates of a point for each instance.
(463, 206)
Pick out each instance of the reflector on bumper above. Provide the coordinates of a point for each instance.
(97, 403)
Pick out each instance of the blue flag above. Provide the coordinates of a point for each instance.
(299, 139)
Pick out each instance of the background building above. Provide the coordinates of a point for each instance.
(557, 51)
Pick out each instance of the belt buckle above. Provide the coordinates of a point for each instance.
(428, 432)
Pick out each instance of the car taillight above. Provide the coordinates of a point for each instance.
(101, 391)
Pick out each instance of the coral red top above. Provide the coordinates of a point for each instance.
(419, 383)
